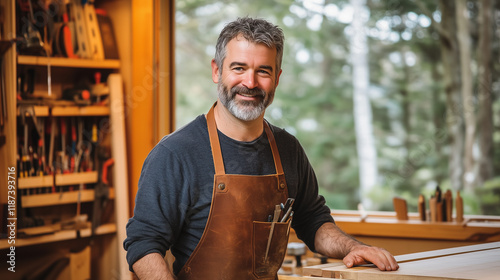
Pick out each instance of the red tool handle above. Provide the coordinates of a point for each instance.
(105, 167)
(68, 44)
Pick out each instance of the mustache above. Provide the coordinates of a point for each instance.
(244, 90)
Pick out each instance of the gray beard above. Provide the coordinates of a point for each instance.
(243, 110)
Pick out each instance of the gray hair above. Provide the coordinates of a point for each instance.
(254, 30)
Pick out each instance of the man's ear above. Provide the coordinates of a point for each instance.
(278, 78)
(215, 72)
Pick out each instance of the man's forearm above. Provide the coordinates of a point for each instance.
(333, 242)
(152, 267)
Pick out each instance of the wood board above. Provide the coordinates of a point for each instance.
(469, 262)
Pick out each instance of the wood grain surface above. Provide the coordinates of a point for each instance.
(468, 262)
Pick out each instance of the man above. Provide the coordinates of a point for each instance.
(206, 190)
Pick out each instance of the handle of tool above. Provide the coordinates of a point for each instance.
(448, 205)
(105, 167)
(433, 208)
(277, 212)
(285, 217)
(400, 208)
(459, 208)
(421, 207)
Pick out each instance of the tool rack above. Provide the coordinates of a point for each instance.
(55, 198)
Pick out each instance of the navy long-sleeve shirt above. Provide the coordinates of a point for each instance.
(176, 182)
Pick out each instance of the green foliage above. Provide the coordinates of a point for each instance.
(489, 197)
(314, 98)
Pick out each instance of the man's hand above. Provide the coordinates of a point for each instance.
(366, 254)
(333, 242)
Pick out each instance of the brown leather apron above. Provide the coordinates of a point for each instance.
(235, 239)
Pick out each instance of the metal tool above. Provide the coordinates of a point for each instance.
(297, 249)
(73, 146)
(79, 146)
(64, 155)
(32, 43)
(51, 150)
(287, 209)
(41, 147)
(101, 191)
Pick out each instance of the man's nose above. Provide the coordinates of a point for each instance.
(250, 80)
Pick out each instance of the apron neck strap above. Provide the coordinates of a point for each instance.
(215, 144)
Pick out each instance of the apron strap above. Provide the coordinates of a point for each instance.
(274, 149)
(214, 142)
(216, 151)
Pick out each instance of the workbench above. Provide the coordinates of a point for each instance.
(467, 262)
(383, 229)
(400, 237)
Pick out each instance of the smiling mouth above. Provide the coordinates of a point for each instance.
(249, 95)
(242, 90)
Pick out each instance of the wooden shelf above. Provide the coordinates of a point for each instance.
(474, 228)
(68, 62)
(71, 111)
(61, 180)
(59, 198)
(59, 236)
(34, 193)
(5, 45)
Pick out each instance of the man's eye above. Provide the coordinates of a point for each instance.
(238, 68)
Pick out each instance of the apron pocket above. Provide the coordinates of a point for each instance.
(269, 267)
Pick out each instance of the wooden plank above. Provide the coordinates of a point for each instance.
(468, 262)
(475, 265)
(70, 110)
(316, 270)
(8, 151)
(119, 154)
(80, 264)
(80, 111)
(61, 180)
(287, 277)
(447, 252)
(48, 199)
(68, 62)
(59, 236)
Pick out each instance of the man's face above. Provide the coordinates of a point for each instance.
(248, 81)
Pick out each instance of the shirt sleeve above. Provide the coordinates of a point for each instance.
(157, 216)
(310, 211)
